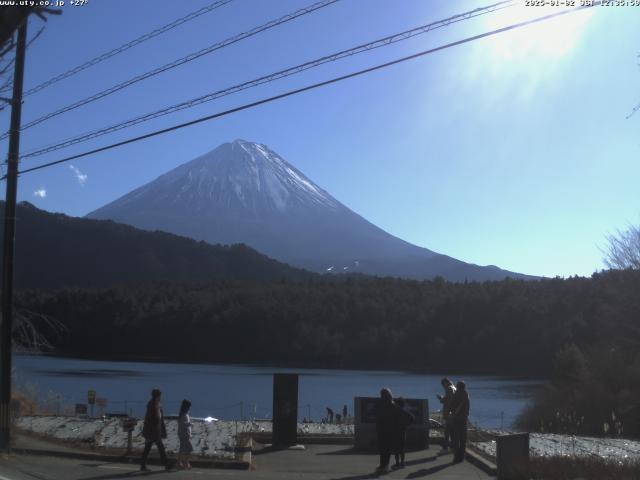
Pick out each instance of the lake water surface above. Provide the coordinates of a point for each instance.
(234, 391)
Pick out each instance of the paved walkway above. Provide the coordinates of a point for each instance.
(315, 462)
(338, 462)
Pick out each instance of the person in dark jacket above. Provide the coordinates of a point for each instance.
(449, 392)
(329, 415)
(460, 414)
(154, 430)
(403, 418)
(385, 418)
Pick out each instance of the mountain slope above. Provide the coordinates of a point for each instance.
(54, 250)
(243, 192)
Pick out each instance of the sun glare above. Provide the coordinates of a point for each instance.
(544, 41)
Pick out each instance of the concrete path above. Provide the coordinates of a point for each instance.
(317, 462)
(337, 462)
(314, 462)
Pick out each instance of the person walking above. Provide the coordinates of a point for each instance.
(460, 413)
(384, 428)
(184, 435)
(329, 415)
(402, 419)
(449, 392)
(154, 430)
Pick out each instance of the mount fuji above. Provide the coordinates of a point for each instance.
(243, 192)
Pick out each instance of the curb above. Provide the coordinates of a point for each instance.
(480, 462)
(313, 439)
(242, 464)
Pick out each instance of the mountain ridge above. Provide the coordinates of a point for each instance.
(79, 252)
(244, 192)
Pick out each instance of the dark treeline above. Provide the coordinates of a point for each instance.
(512, 327)
(54, 250)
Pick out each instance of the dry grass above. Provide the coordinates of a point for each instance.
(22, 405)
(565, 468)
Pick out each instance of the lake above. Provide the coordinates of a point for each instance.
(237, 391)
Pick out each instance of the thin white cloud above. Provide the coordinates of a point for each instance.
(82, 177)
(41, 192)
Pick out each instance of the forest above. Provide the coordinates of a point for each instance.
(508, 327)
(581, 333)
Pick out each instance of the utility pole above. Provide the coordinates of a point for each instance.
(8, 245)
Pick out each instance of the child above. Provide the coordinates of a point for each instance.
(184, 434)
(402, 420)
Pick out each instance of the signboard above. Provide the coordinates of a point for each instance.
(91, 396)
(365, 409)
(368, 405)
(101, 402)
(81, 408)
(128, 424)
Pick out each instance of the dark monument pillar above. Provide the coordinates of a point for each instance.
(285, 409)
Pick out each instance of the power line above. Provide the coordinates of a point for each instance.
(127, 46)
(178, 62)
(307, 88)
(272, 77)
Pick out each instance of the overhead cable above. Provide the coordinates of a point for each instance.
(270, 78)
(126, 46)
(307, 88)
(177, 63)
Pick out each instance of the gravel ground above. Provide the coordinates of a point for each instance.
(548, 444)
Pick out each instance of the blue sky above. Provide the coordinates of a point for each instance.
(513, 150)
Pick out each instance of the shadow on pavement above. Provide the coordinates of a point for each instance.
(359, 476)
(411, 463)
(428, 471)
(130, 474)
(347, 451)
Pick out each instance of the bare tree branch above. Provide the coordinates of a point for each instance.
(27, 331)
(624, 249)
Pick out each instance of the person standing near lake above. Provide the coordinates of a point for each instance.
(446, 400)
(184, 435)
(385, 419)
(154, 430)
(460, 406)
(329, 415)
(403, 418)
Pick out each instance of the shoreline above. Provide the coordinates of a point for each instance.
(275, 365)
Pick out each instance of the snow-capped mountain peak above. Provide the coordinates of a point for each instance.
(244, 175)
(244, 192)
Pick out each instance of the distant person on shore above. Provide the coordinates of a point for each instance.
(460, 414)
(403, 418)
(154, 430)
(184, 435)
(446, 400)
(329, 415)
(385, 419)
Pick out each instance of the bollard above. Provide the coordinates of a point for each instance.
(512, 456)
(128, 424)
